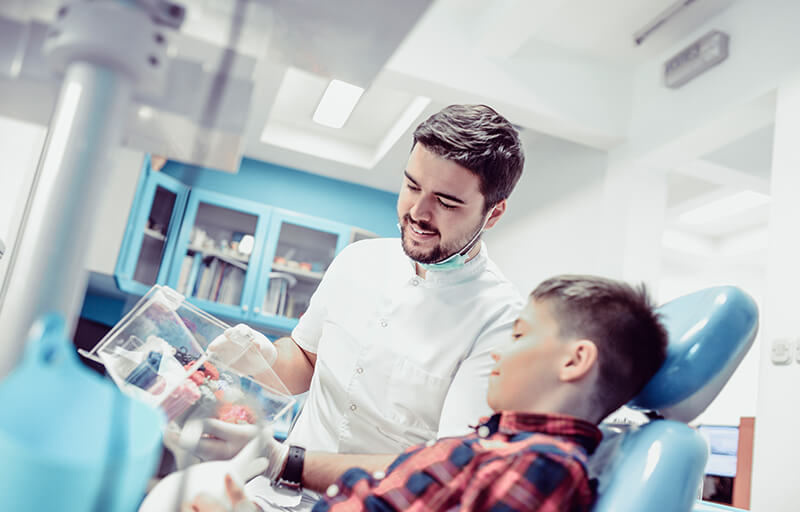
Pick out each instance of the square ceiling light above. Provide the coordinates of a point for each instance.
(337, 103)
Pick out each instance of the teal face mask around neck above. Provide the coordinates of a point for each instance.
(457, 259)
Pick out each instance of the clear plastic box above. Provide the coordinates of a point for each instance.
(158, 354)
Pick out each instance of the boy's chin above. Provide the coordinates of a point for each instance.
(494, 404)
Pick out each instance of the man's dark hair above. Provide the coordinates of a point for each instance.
(479, 139)
(621, 321)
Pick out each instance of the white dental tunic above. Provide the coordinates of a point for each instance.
(400, 359)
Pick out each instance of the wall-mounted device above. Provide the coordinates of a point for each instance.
(2, 248)
(703, 54)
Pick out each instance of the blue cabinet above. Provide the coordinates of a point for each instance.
(299, 249)
(238, 259)
(218, 252)
(150, 236)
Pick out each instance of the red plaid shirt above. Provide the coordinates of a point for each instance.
(513, 461)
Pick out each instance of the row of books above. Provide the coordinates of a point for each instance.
(211, 278)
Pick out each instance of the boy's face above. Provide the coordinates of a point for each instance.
(527, 367)
(440, 207)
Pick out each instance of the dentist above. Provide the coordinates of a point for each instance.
(395, 346)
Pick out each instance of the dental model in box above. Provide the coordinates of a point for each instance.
(158, 354)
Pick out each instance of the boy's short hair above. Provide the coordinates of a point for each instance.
(479, 139)
(621, 321)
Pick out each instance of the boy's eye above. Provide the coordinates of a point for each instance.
(413, 187)
(515, 336)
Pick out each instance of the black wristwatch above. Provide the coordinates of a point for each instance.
(292, 475)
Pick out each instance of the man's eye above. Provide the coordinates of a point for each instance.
(446, 205)
(413, 187)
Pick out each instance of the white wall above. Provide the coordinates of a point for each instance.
(113, 210)
(20, 144)
(553, 221)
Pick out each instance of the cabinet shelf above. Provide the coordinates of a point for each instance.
(299, 272)
(237, 261)
(152, 233)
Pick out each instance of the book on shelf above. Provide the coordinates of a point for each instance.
(217, 280)
(191, 281)
(207, 279)
(186, 269)
(230, 291)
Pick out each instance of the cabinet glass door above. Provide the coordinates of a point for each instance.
(219, 240)
(155, 236)
(299, 251)
(147, 242)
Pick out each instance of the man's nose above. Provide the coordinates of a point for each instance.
(422, 209)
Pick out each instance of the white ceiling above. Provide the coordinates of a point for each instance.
(506, 43)
(564, 69)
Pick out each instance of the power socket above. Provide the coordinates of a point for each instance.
(782, 351)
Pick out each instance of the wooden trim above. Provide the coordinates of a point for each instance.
(744, 464)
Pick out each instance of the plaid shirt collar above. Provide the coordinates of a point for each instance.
(511, 423)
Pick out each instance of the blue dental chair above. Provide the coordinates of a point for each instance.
(659, 466)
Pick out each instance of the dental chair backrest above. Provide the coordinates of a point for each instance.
(659, 466)
(70, 440)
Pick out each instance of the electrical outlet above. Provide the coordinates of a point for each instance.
(782, 351)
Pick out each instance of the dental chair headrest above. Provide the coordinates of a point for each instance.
(709, 334)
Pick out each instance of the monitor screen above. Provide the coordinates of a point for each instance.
(723, 442)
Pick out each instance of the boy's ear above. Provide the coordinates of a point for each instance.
(580, 359)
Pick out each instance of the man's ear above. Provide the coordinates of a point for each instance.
(497, 212)
(581, 358)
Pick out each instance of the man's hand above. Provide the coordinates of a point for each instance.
(206, 503)
(244, 349)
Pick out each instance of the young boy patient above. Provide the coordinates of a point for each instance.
(582, 347)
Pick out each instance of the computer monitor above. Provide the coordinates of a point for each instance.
(723, 441)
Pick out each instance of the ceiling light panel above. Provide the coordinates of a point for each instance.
(337, 103)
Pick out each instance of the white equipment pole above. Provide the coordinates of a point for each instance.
(103, 49)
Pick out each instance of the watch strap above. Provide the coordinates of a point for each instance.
(292, 475)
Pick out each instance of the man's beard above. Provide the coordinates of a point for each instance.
(436, 254)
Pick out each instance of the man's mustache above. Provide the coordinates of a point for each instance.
(424, 226)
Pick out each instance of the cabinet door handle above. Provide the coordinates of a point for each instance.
(244, 307)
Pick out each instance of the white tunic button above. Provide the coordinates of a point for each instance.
(332, 491)
(430, 443)
(384, 323)
(353, 407)
(415, 282)
(483, 431)
(359, 370)
(378, 475)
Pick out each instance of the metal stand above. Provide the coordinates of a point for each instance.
(104, 49)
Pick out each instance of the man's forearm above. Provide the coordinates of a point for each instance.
(321, 469)
(292, 366)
